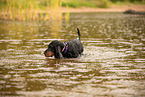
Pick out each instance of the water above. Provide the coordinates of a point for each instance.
(113, 63)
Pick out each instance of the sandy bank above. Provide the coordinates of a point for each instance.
(111, 9)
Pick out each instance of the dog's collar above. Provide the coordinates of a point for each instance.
(64, 50)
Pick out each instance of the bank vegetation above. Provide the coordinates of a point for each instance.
(41, 10)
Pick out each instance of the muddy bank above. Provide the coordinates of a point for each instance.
(113, 8)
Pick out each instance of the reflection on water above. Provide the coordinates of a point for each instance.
(113, 63)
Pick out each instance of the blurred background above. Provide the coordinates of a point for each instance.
(35, 9)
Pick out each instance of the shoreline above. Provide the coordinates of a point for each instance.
(113, 8)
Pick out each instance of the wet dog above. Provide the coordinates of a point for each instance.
(60, 50)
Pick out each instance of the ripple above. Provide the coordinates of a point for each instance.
(112, 63)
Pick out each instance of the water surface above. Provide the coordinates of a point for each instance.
(113, 63)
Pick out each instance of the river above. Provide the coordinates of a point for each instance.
(112, 64)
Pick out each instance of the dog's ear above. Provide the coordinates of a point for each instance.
(58, 53)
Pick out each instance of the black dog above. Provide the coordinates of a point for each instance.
(61, 50)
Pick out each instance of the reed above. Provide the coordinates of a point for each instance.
(29, 10)
(55, 9)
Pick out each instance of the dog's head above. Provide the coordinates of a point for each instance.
(54, 49)
(49, 52)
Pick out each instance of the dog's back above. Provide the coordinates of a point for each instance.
(77, 44)
(75, 47)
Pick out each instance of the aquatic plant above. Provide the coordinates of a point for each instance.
(29, 10)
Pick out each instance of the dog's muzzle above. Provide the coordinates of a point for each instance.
(48, 53)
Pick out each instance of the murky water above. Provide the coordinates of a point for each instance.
(113, 63)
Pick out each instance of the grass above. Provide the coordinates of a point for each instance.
(127, 3)
(97, 3)
(78, 3)
(29, 10)
(86, 3)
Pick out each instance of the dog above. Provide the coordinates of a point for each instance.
(61, 50)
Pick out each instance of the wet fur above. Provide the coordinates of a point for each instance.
(75, 48)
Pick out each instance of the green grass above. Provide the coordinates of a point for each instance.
(32, 9)
(29, 10)
(127, 3)
(98, 3)
(86, 3)
(78, 3)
